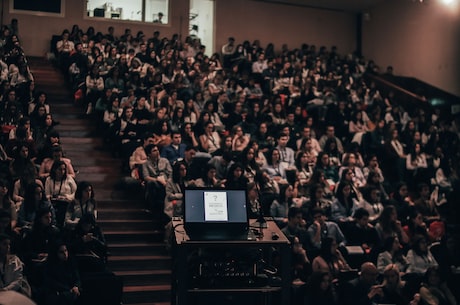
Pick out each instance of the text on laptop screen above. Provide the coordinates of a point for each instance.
(215, 206)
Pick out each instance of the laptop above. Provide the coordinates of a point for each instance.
(216, 214)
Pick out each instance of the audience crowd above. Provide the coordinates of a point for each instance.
(335, 160)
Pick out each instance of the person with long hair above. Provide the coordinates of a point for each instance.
(401, 201)
(320, 289)
(392, 254)
(62, 278)
(316, 200)
(36, 245)
(209, 178)
(307, 148)
(304, 172)
(84, 203)
(190, 112)
(259, 155)
(319, 177)
(416, 226)
(344, 204)
(88, 243)
(210, 139)
(395, 290)
(330, 170)
(7, 204)
(22, 165)
(175, 188)
(350, 163)
(420, 257)
(235, 177)
(374, 181)
(34, 201)
(275, 168)
(57, 155)
(395, 155)
(330, 259)
(59, 185)
(188, 135)
(434, 289)
(389, 225)
(335, 156)
(94, 87)
(416, 165)
(280, 207)
(12, 276)
(249, 163)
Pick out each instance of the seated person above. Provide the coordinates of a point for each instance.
(434, 289)
(174, 189)
(362, 233)
(389, 225)
(36, 246)
(321, 228)
(345, 203)
(12, 277)
(35, 199)
(392, 255)
(62, 279)
(210, 139)
(330, 259)
(155, 172)
(420, 257)
(57, 155)
(7, 204)
(59, 185)
(175, 150)
(364, 290)
(395, 290)
(371, 201)
(88, 244)
(209, 179)
(139, 157)
(280, 207)
(321, 290)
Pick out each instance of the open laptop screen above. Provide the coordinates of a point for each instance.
(218, 210)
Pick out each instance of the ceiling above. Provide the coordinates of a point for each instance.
(353, 6)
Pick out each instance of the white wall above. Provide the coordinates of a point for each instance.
(205, 21)
(418, 40)
(279, 24)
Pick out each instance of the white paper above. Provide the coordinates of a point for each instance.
(215, 206)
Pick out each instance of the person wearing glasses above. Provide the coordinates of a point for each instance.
(210, 139)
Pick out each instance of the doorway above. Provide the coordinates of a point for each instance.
(201, 23)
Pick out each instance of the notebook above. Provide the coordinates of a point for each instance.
(215, 214)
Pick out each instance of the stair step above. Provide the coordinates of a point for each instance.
(139, 277)
(134, 235)
(75, 143)
(118, 224)
(141, 248)
(152, 293)
(156, 303)
(138, 262)
(122, 213)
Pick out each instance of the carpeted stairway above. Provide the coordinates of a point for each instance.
(137, 252)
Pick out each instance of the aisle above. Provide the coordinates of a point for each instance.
(135, 241)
